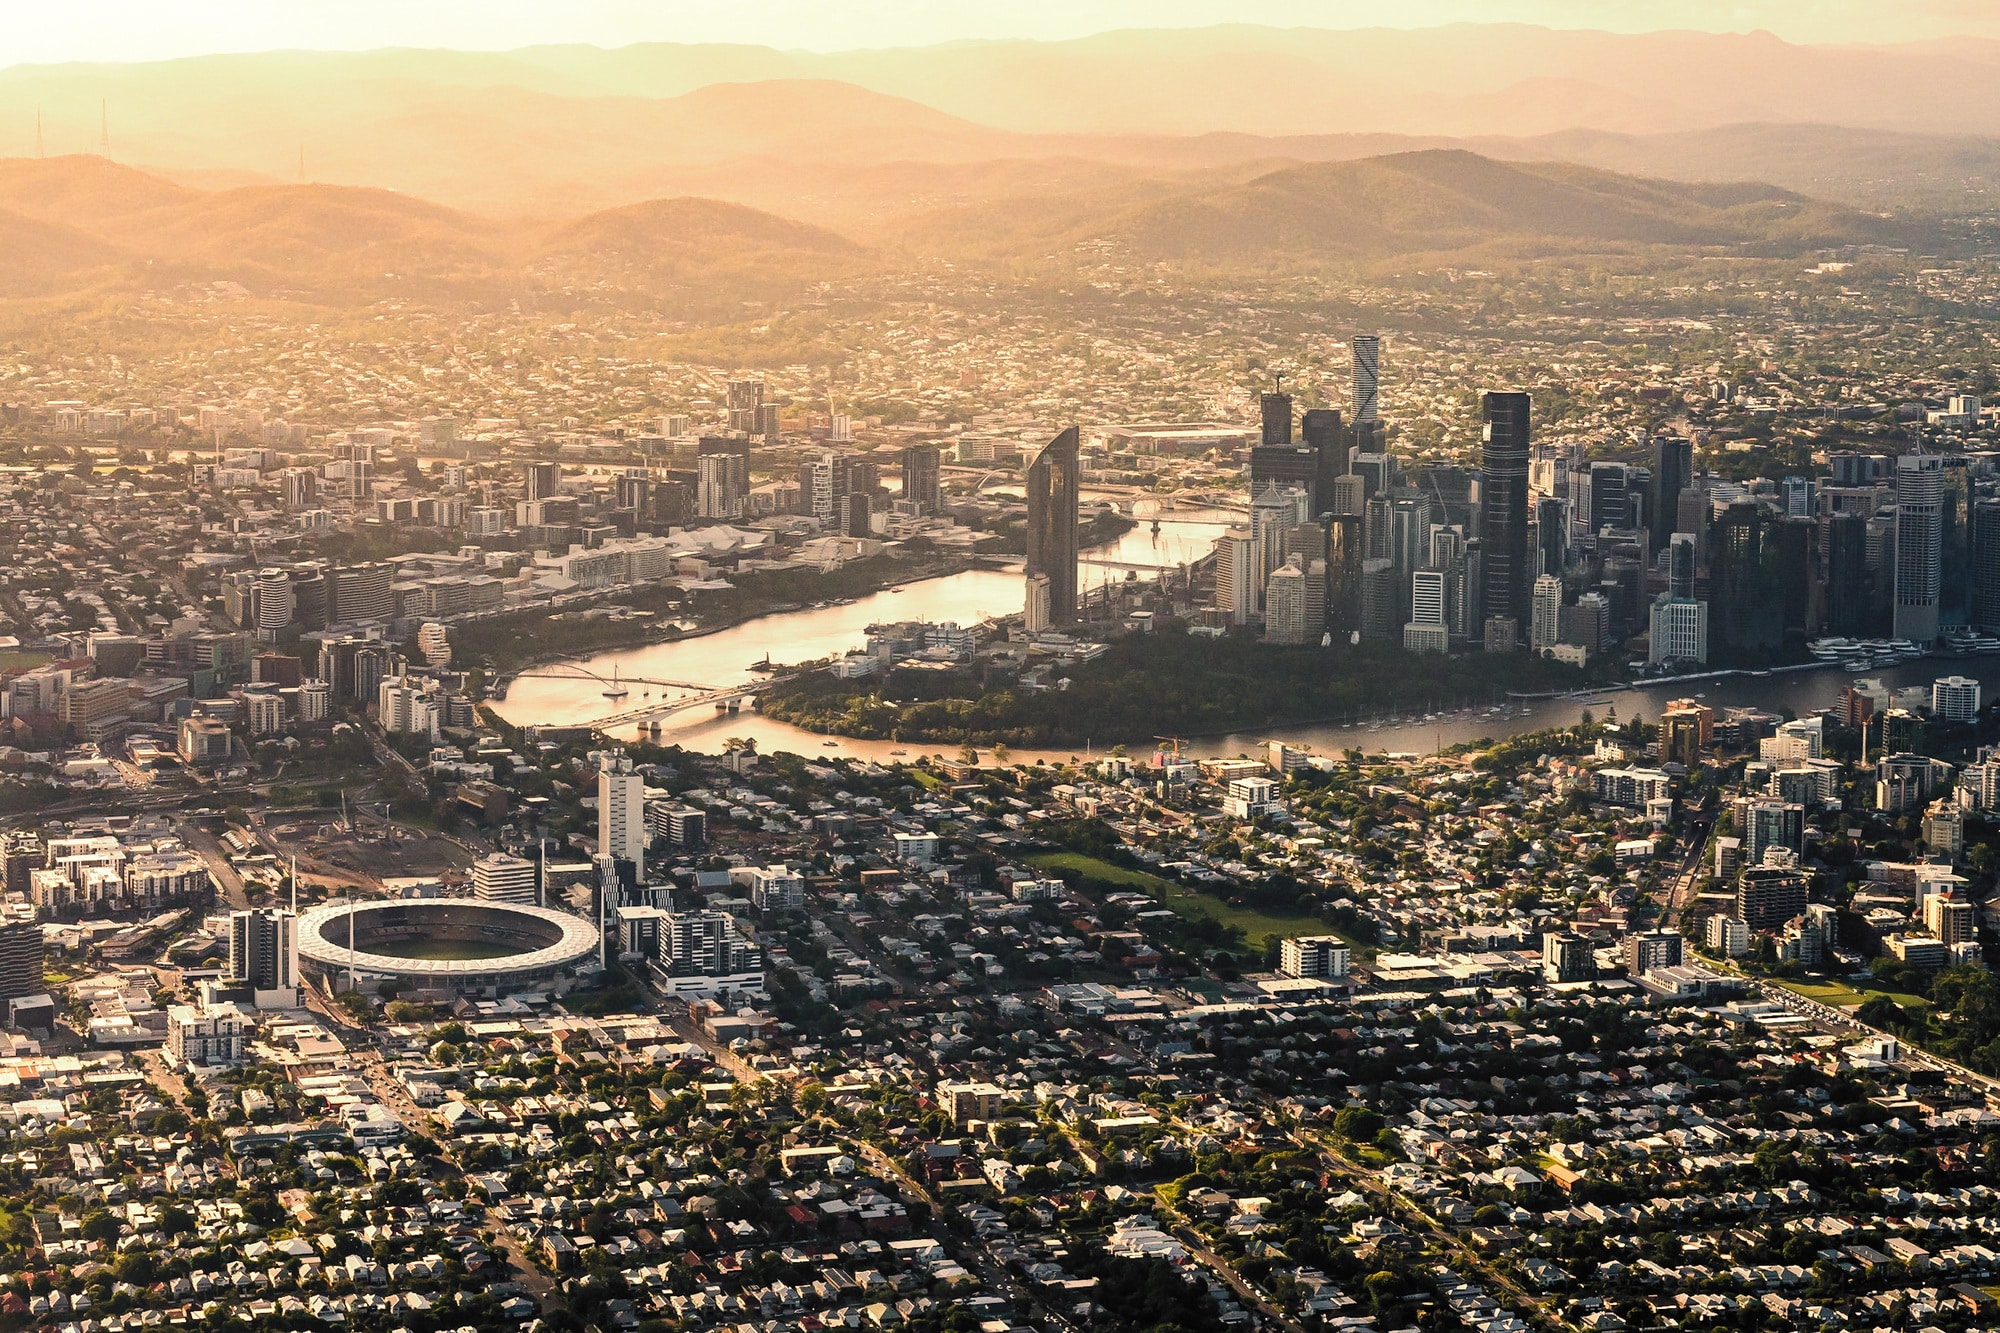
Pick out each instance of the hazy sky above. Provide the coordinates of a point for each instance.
(51, 30)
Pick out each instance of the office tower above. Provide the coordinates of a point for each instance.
(23, 952)
(1453, 492)
(264, 949)
(1677, 630)
(1955, 555)
(1367, 352)
(922, 480)
(1376, 525)
(1503, 530)
(770, 421)
(363, 592)
(1745, 617)
(1427, 631)
(1985, 565)
(621, 811)
(311, 598)
(1285, 604)
(1409, 532)
(1343, 577)
(1350, 495)
(542, 479)
(1850, 592)
(1610, 506)
(723, 485)
(1379, 599)
(1681, 564)
(860, 516)
(301, 488)
(745, 397)
(633, 491)
(1052, 501)
(1546, 625)
(1673, 468)
(1377, 470)
(1276, 411)
(1239, 575)
(1288, 467)
(1798, 497)
(1322, 432)
(1273, 514)
(1551, 534)
(501, 878)
(1919, 546)
(1693, 516)
(1035, 615)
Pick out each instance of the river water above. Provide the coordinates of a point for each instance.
(726, 658)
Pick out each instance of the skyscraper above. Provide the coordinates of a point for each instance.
(1850, 594)
(621, 811)
(723, 482)
(1343, 577)
(1681, 563)
(1285, 604)
(1367, 350)
(1673, 468)
(264, 948)
(1985, 565)
(1276, 409)
(1052, 536)
(1746, 621)
(1919, 546)
(1551, 534)
(1322, 433)
(921, 479)
(541, 479)
(1503, 467)
(1545, 629)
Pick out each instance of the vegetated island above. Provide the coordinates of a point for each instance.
(1164, 683)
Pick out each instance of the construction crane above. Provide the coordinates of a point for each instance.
(1174, 741)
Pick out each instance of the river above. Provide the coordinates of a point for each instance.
(726, 658)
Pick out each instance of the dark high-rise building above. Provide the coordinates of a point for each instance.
(1850, 579)
(1286, 466)
(541, 479)
(1985, 565)
(1681, 564)
(633, 490)
(1505, 576)
(1673, 469)
(1053, 494)
(1796, 560)
(1344, 556)
(1919, 546)
(859, 514)
(1609, 504)
(1277, 413)
(922, 481)
(1745, 620)
(1321, 430)
(1955, 545)
(1551, 535)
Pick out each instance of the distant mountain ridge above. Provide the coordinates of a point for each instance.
(82, 221)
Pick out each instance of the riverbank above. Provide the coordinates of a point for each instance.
(523, 640)
(1163, 684)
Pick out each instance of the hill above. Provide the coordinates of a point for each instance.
(680, 247)
(1428, 202)
(39, 258)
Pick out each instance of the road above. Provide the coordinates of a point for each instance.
(1394, 1202)
(227, 882)
(1225, 1270)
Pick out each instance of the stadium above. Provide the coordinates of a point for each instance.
(455, 944)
